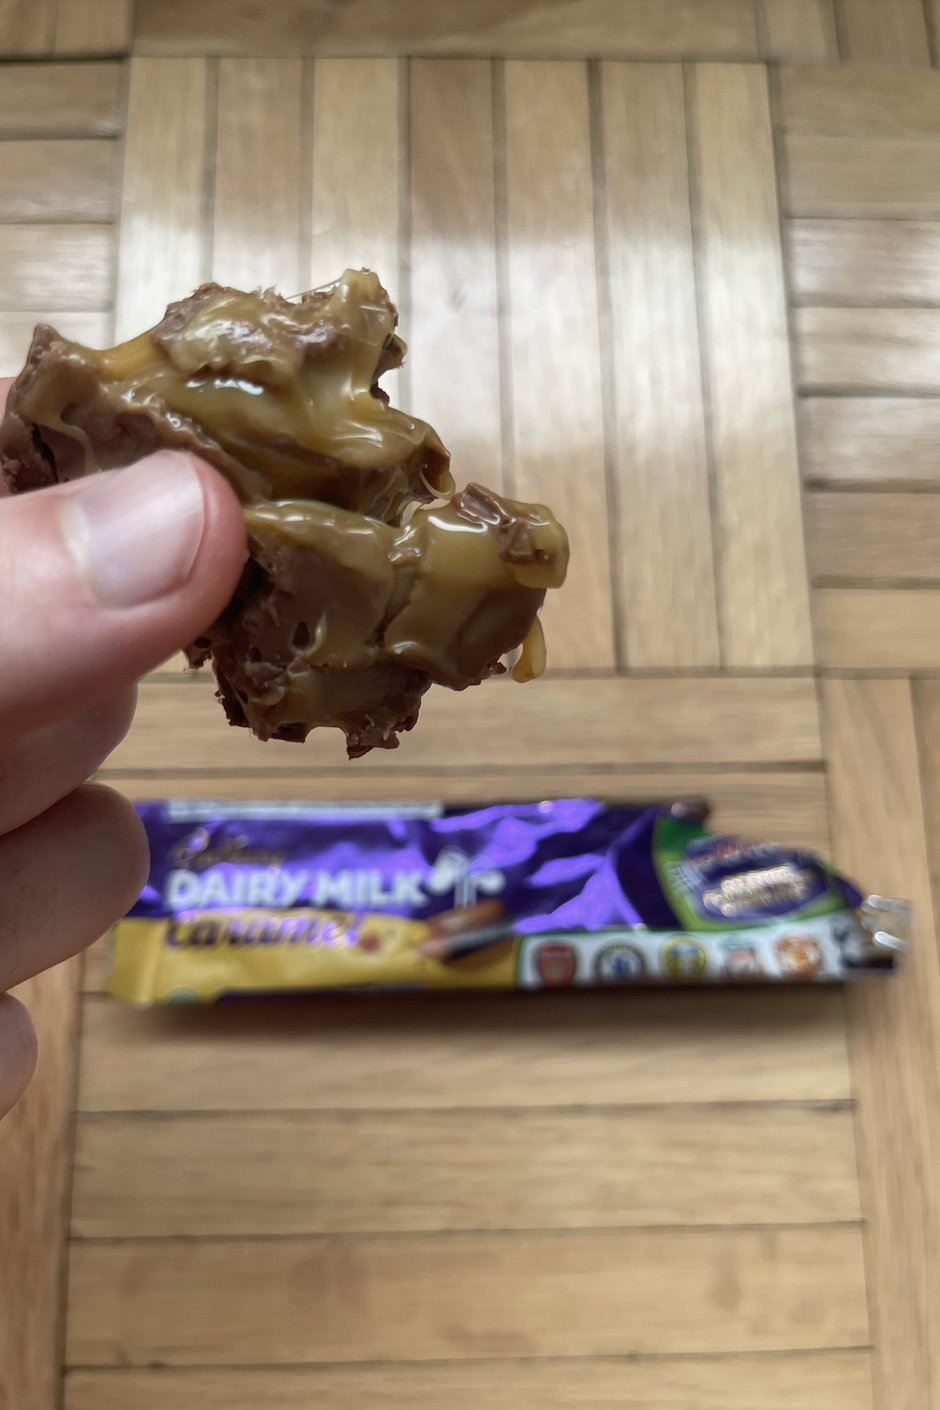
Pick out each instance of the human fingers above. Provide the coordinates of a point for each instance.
(105, 577)
(68, 875)
(17, 1051)
(39, 768)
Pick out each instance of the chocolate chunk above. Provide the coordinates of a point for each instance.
(362, 587)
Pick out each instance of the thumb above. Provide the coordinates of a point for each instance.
(103, 578)
(17, 1051)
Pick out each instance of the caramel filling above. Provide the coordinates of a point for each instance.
(362, 587)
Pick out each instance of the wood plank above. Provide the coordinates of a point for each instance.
(874, 536)
(873, 32)
(256, 219)
(859, 102)
(553, 723)
(839, 1380)
(405, 1051)
(62, 100)
(413, 1298)
(762, 569)
(862, 176)
(864, 261)
(786, 807)
(454, 354)
(61, 267)
(797, 31)
(356, 181)
(868, 349)
(557, 413)
(160, 254)
(403, 1172)
(94, 27)
(72, 180)
(26, 27)
(666, 571)
(864, 440)
(35, 1156)
(879, 628)
(16, 331)
(878, 821)
(561, 28)
(356, 162)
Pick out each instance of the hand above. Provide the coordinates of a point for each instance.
(101, 580)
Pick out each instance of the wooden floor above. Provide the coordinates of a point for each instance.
(673, 268)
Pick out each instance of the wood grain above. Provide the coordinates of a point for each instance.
(859, 102)
(62, 100)
(557, 413)
(862, 176)
(878, 823)
(35, 1159)
(356, 160)
(874, 536)
(256, 218)
(16, 331)
(762, 570)
(790, 807)
(839, 1380)
(796, 31)
(72, 180)
(61, 267)
(555, 723)
(26, 27)
(868, 349)
(94, 26)
(403, 1172)
(160, 251)
(472, 1296)
(669, 610)
(404, 1052)
(894, 34)
(878, 628)
(864, 261)
(560, 28)
(453, 331)
(866, 440)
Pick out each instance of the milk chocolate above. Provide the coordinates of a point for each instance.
(368, 578)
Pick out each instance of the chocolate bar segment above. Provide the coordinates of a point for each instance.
(362, 587)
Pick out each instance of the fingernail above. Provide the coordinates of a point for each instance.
(135, 533)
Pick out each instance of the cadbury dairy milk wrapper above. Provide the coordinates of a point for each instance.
(252, 898)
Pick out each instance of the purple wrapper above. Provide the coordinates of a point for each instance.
(568, 864)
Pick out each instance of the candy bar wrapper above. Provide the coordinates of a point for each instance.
(262, 898)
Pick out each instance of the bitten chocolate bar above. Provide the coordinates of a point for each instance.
(369, 579)
(254, 898)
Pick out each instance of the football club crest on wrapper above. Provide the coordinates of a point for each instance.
(684, 958)
(556, 964)
(619, 963)
(741, 961)
(799, 956)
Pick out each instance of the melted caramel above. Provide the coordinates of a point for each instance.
(253, 370)
(357, 595)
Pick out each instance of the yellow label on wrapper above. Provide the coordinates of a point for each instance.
(207, 954)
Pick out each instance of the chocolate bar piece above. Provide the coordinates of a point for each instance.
(368, 578)
(454, 935)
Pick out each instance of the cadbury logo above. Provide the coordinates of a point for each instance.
(348, 889)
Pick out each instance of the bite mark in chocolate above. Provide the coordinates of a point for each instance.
(362, 587)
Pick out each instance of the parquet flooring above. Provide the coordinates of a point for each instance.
(671, 267)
